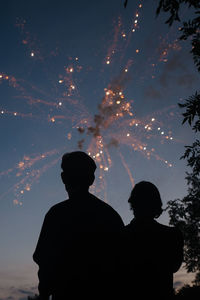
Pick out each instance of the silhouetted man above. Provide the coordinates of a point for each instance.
(153, 252)
(75, 250)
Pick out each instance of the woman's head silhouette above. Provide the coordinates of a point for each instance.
(145, 200)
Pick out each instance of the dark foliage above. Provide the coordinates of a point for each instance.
(190, 28)
(185, 213)
(192, 105)
(188, 293)
(173, 7)
(125, 3)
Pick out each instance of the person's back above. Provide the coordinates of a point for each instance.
(154, 251)
(75, 244)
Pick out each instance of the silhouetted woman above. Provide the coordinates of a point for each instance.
(153, 252)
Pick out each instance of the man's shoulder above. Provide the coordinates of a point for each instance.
(58, 207)
(102, 204)
(106, 208)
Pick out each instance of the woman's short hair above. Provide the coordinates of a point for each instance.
(145, 200)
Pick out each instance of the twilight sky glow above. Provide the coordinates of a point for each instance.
(87, 75)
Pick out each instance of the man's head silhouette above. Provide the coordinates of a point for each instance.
(78, 171)
(145, 200)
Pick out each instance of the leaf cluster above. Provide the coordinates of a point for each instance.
(190, 28)
(192, 106)
(173, 7)
(185, 213)
(188, 292)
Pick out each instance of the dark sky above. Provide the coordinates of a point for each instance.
(94, 75)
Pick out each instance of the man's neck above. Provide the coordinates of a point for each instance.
(144, 219)
(78, 190)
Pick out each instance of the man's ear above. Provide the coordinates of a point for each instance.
(63, 177)
(91, 179)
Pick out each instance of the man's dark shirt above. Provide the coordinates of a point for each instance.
(75, 250)
(153, 253)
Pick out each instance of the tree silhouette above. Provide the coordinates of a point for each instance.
(188, 293)
(190, 29)
(185, 212)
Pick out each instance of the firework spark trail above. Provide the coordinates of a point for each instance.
(18, 114)
(132, 29)
(19, 85)
(161, 53)
(24, 170)
(113, 45)
(7, 172)
(26, 183)
(38, 102)
(151, 126)
(31, 43)
(122, 38)
(132, 133)
(28, 162)
(127, 169)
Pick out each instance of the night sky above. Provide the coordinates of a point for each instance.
(94, 76)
